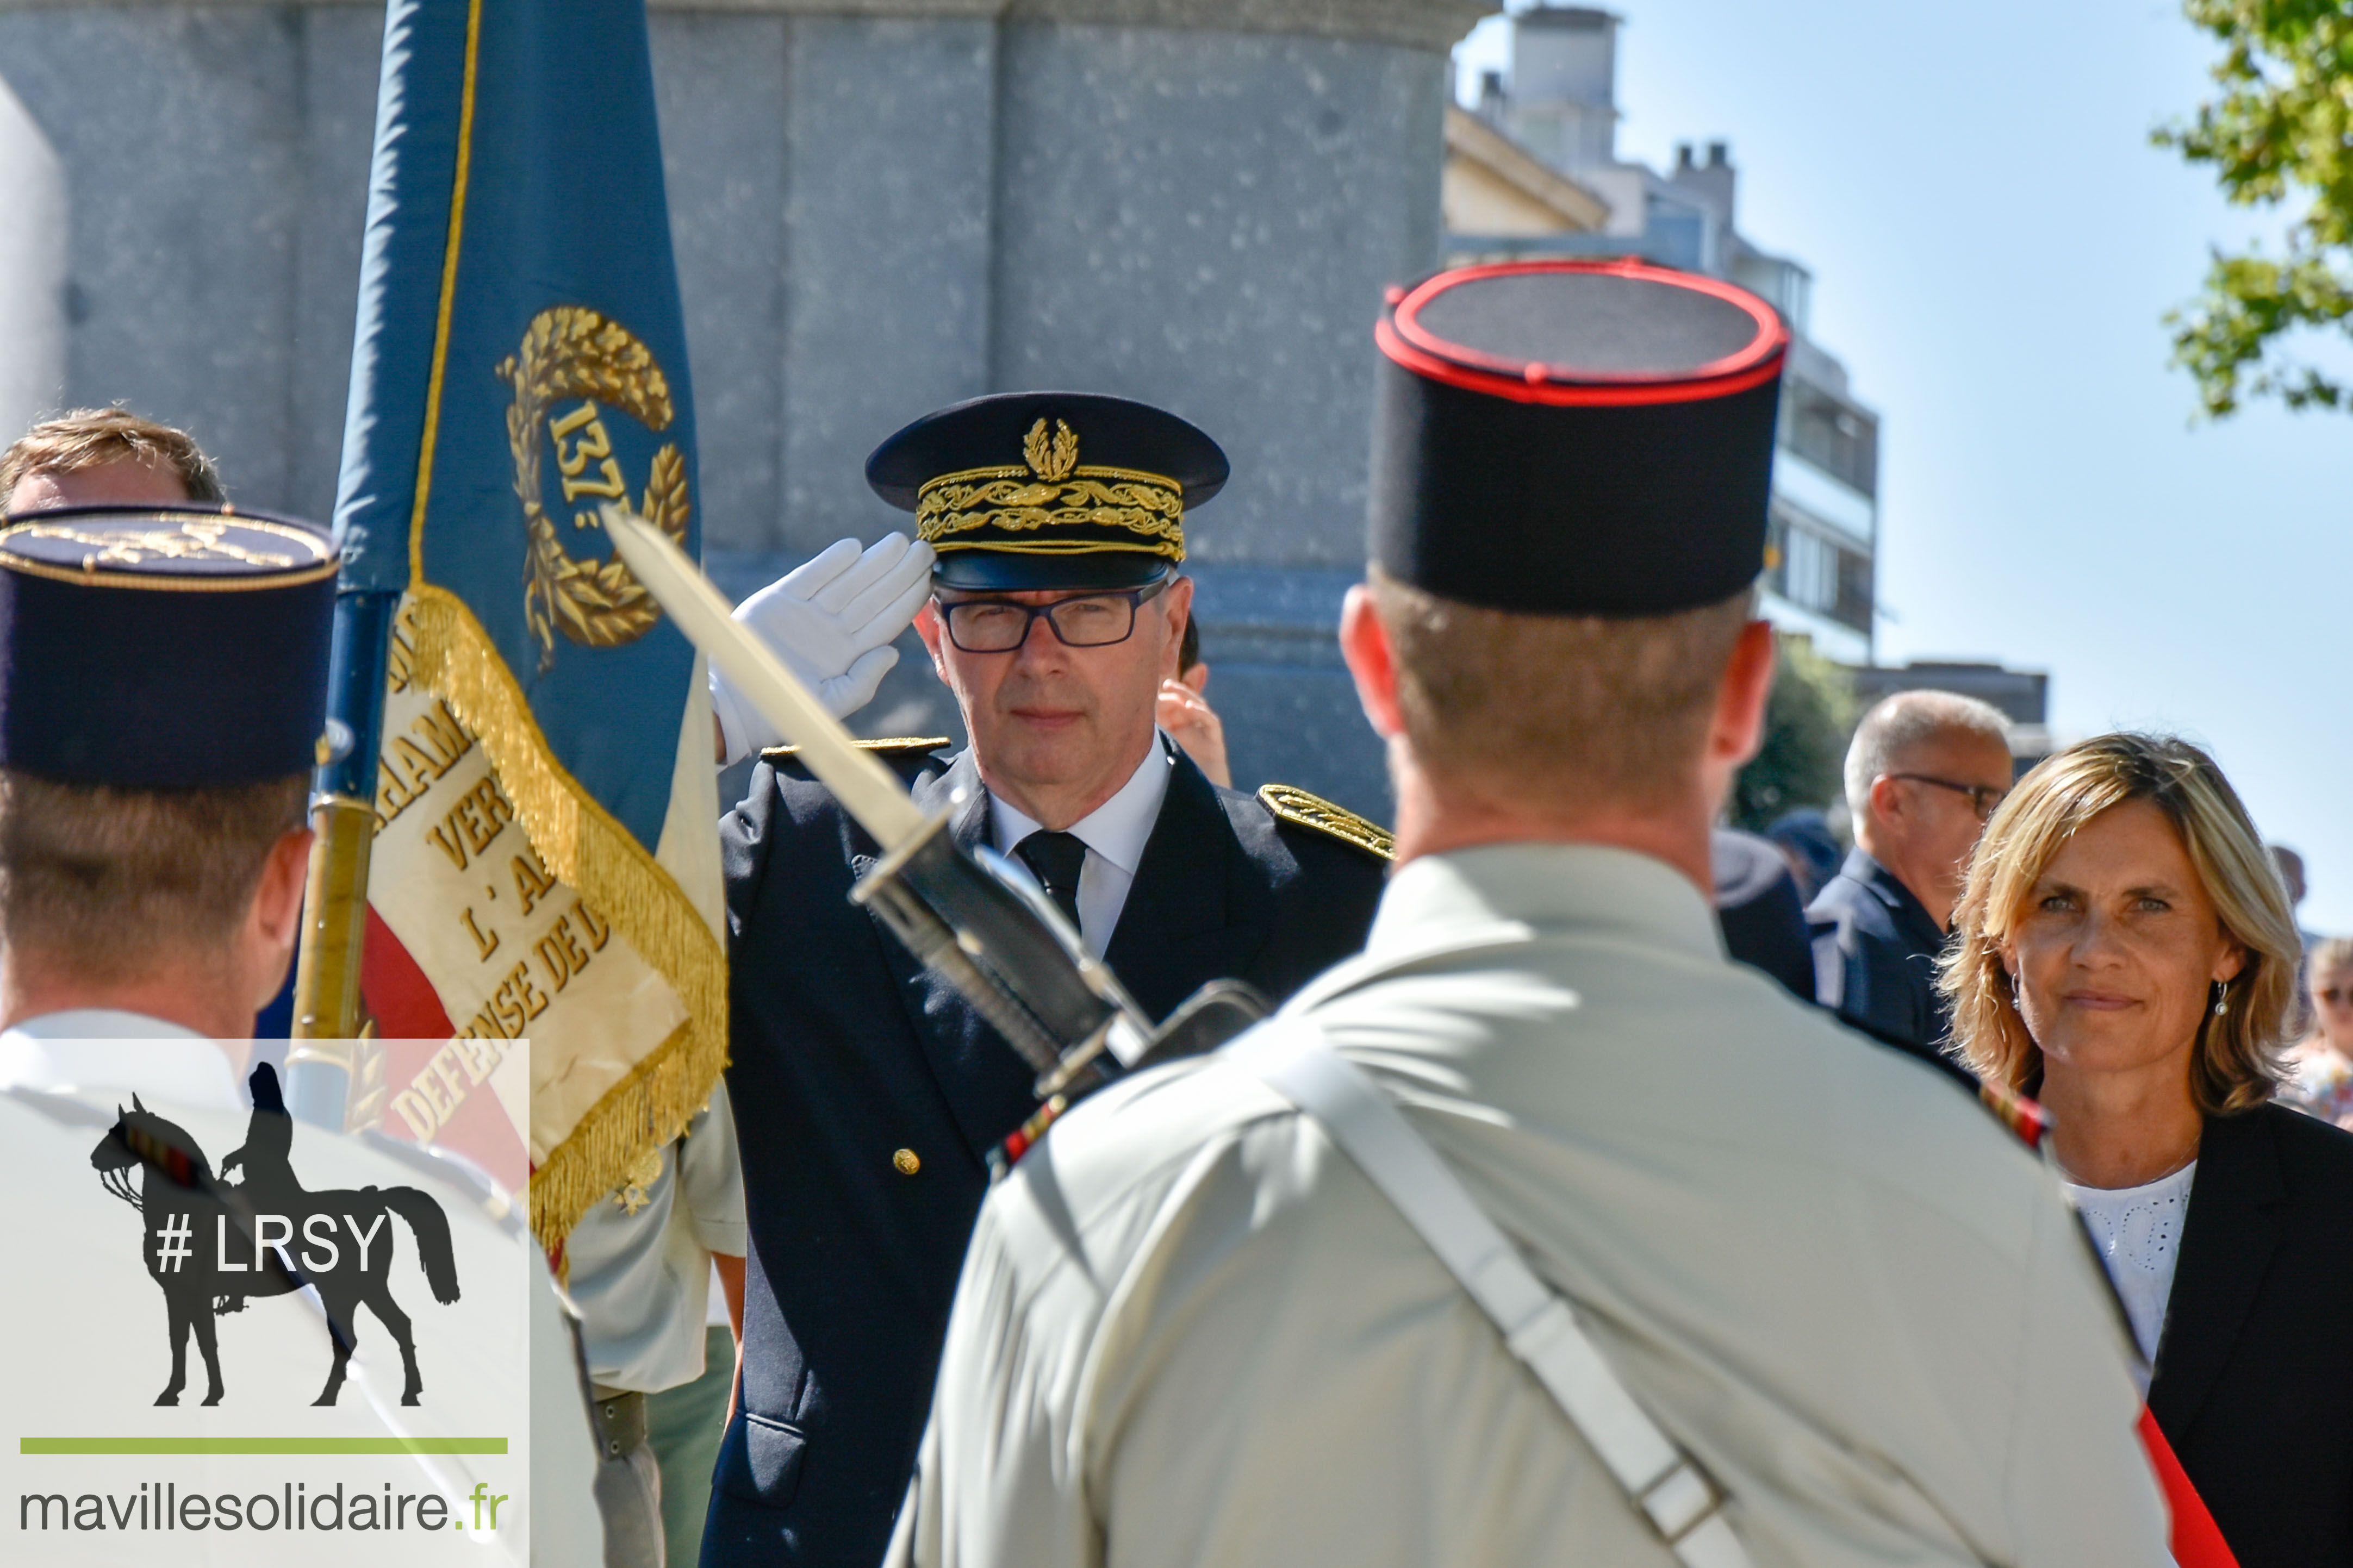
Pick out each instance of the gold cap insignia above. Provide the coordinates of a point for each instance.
(1051, 460)
(1052, 506)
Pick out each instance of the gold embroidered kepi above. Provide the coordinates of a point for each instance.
(1049, 490)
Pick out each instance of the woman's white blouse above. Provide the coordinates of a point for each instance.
(2139, 1233)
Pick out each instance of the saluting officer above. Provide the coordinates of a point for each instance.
(1542, 1233)
(867, 1093)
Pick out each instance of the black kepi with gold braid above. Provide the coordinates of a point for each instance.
(1049, 490)
(146, 647)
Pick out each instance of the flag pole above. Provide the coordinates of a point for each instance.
(320, 1068)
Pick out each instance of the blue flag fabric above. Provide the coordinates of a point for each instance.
(519, 359)
(561, 296)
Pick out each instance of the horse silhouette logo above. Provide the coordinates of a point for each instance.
(210, 1243)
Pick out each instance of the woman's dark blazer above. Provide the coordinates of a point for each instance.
(2254, 1383)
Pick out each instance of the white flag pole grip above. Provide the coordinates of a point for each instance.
(866, 789)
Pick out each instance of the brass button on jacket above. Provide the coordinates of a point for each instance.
(906, 1162)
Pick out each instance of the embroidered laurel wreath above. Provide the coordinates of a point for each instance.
(1053, 493)
(573, 352)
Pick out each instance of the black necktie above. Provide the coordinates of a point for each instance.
(1057, 858)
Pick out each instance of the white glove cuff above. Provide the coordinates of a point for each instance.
(731, 722)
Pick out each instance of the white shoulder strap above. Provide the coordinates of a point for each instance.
(1292, 1057)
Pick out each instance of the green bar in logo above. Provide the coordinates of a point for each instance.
(261, 1446)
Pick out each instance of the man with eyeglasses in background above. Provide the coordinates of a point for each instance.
(1925, 770)
(867, 1094)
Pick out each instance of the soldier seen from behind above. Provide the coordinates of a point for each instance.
(1542, 1233)
(162, 695)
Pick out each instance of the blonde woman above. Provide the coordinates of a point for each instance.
(2322, 1084)
(2123, 953)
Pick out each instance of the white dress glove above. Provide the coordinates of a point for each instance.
(832, 622)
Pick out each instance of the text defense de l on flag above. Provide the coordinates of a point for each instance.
(544, 864)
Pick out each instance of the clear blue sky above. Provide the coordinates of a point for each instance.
(1994, 243)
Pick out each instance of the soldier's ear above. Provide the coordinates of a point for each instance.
(1365, 647)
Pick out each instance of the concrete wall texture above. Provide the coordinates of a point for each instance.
(31, 265)
(879, 206)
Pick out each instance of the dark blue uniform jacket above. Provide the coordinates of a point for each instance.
(846, 1053)
(1875, 961)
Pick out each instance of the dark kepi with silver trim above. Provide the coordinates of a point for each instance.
(1575, 437)
(149, 647)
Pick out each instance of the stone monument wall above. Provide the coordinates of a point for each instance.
(879, 206)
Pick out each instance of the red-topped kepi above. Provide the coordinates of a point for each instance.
(1575, 437)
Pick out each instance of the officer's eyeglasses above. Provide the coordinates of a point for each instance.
(1083, 620)
(1983, 798)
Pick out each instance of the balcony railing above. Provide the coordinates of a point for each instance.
(1830, 433)
(1816, 572)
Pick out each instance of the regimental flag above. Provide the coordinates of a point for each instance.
(544, 864)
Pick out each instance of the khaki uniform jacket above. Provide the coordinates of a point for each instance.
(1189, 1331)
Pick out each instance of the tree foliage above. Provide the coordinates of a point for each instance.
(2280, 129)
(1807, 722)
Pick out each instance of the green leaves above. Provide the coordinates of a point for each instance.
(1807, 722)
(2281, 129)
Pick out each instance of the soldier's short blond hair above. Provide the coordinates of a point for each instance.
(1558, 710)
(2237, 1060)
(92, 438)
(99, 882)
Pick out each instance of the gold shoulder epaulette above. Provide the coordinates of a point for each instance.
(894, 743)
(1296, 806)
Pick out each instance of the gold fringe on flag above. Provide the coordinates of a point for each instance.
(579, 841)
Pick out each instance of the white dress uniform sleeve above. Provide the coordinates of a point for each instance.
(2071, 1485)
(711, 1179)
(640, 1259)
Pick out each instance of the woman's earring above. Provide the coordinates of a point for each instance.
(2221, 998)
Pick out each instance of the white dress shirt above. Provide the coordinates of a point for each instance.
(1115, 834)
(97, 1048)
